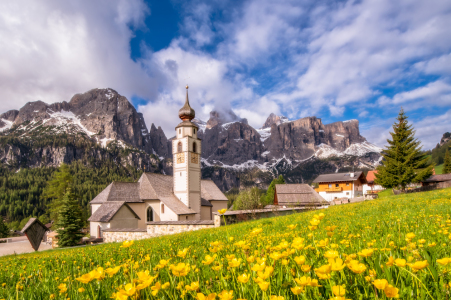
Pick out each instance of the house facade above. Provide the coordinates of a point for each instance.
(340, 185)
(370, 187)
(155, 198)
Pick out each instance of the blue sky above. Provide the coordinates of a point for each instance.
(336, 60)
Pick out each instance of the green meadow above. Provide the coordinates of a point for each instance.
(392, 247)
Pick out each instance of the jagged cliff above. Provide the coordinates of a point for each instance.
(101, 124)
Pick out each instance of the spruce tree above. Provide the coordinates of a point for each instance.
(69, 223)
(403, 162)
(55, 190)
(4, 230)
(269, 197)
(447, 163)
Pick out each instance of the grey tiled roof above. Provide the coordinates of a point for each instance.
(298, 194)
(439, 178)
(204, 202)
(30, 222)
(152, 186)
(210, 191)
(176, 205)
(107, 210)
(119, 191)
(334, 177)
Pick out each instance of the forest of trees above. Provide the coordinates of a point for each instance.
(20, 192)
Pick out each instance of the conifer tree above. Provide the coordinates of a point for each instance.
(55, 190)
(4, 231)
(403, 162)
(447, 163)
(69, 223)
(269, 197)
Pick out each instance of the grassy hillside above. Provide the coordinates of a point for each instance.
(404, 240)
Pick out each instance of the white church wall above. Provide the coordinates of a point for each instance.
(169, 215)
(156, 207)
(94, 207)
(93, 227)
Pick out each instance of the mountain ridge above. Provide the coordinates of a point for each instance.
(104, 118)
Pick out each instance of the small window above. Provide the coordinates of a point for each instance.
(347, 184)
(179, 147)
(330, 185)
(337, 185)
(149, 214)
(194, 147)
(347, 193)
(180, 131)
(162, 208)
(186, 218)
(194, 130)
(180, 174)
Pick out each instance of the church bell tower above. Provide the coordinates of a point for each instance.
(186, 150)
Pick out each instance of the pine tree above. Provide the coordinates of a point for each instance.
(69, 221)
(269, 197)
(4, 231)
(403, 162)
(56, 189)
(447, 163)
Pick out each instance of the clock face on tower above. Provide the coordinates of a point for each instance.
(180, 158)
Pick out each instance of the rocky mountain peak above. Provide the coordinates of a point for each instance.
(274, 119)
(222, 117)
(445, 138)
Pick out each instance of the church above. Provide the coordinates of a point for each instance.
(183, 198)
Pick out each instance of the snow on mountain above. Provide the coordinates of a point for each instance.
(8, 124)
(264, 133)
(357, 149)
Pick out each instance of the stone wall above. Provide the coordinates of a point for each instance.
(120, 236)
(164, 229)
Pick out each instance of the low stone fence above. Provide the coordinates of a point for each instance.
(154, 229)
(237, 216)
(172, 227)
(124, 234)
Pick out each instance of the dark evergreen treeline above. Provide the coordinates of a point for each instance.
(438, 153)
(20, 192)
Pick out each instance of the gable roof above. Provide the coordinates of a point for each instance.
(335, 177)
(371, 176)
(210, 191)
(152, 186)
(119, 192)
(297, 194)
(108, 210)
(204, 202)
(158, 186)
(439, 178)
(30, 222)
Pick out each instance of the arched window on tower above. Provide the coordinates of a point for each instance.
(194, 147)
(149, 214)
(179, 147)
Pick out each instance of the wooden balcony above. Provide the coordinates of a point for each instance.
(334, 189)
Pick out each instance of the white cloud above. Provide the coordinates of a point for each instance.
(50, 50)
(437, 92)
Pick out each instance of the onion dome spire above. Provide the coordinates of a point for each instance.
(186, 113)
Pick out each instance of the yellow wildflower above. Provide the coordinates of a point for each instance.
(201, 296)
(112, 271)
(209, 259)
(400, 262)
(222, 211)
(339, 290)
(224, 295)
(380, 284)
(419, 265)
(243, 278)
(127, 244)
(297, 290)
(391, 292)
(63, 288)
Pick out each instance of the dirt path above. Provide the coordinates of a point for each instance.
(20, 245)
